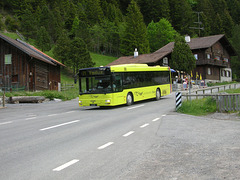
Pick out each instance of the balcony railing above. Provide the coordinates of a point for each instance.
(214, 62)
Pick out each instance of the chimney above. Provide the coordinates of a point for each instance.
(187, 38)
(135, 53)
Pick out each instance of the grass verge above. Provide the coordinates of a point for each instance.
(232, 91)
(220, 83)
(199, 107)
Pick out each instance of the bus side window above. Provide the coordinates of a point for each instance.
(117, 83)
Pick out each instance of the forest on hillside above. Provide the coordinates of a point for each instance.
(117, 27)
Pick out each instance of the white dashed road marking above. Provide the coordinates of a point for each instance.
(59, 125)
(52, 115)
(136, 107)
(128, 134)
(66, 165)
(156, 119)
(30, 118)
(144, 125)
(9, 122)
(105, 145)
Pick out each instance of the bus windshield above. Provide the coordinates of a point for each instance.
(96, 85)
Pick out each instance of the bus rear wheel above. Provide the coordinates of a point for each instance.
(158, 94)
(129, 99)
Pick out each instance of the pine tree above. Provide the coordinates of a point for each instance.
(154, 10)
(28, 24)
(75, 26)
(79, 55)
(94, 12)
(160, 34)
(43, 39)
(135, 35)
(235, 61)
(181, 16)
(62, 48)
(234, 10)
(226, 22)
(182, 58)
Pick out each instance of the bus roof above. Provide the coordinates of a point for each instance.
(137, 67)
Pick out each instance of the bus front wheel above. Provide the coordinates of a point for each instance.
(129, 99)
(158, 94)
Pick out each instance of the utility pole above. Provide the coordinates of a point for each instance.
(199, 23)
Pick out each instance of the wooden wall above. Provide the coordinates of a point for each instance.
(26, 72)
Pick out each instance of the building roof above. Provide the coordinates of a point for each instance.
(30, 50)
(195, 43)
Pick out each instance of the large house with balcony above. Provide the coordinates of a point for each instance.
(212, 53)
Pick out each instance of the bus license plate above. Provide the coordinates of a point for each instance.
(93, 105)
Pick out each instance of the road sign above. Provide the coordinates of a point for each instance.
(178, 100)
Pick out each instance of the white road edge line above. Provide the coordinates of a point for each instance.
(105, 145)
(135, 107)
(51, 127)
(144, 125)
(128, 134)
(9, 122)
(66, 165)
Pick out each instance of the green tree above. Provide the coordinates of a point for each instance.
(2, 25)
(79, 55)
(97, 37)
(94, 12)
(75, 26)
(154, 10)
(207, 16)
(135, 35)
(217, 25)
(181, 16)
(62, 48)
(28, 24)
(228, 23)
(160, 34)
(43, 40)
(235, 61)
(11, 23)
(234, 10)
(223, 18)
(182, 58)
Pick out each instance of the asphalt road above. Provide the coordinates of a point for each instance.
(59, 140)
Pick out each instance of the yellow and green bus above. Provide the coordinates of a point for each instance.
(122, 84)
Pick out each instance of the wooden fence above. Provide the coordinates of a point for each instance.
(228, 102)
(65, 87)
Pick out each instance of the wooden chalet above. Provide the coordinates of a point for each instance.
(24, 67)
(212, 54)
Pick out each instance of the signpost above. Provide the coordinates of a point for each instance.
(7, 61)
(178, 100)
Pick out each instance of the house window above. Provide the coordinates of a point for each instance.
(208, 56)
(228, 73)
(225, 59)
(223, 73)
(209, 71)
(165, 61)
(196, 56)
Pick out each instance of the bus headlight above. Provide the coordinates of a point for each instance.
(80, 102)
(108, 101)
